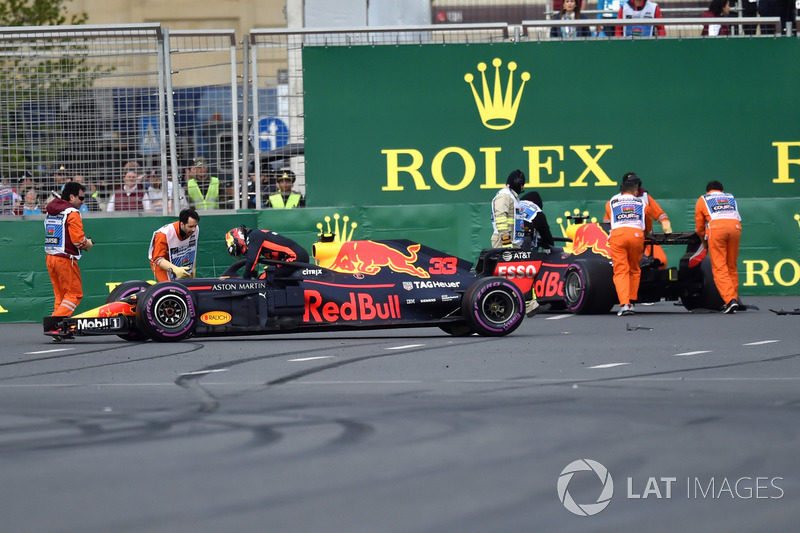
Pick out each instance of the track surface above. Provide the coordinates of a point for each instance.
(409, 430)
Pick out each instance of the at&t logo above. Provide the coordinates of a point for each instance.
(585, 509)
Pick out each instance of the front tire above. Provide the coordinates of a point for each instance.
(493, 307)
(166, 312)
(122, 291)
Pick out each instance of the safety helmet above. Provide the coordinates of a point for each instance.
(516, 181)
(236, 241)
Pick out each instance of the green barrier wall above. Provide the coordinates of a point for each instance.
(768, 260)
(389, 125)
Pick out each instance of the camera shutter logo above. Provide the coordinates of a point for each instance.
(586, 509)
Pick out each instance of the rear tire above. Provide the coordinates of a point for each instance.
(589, 288)
(166, 312)
(708, 296)
(122, 291)
(493, 307)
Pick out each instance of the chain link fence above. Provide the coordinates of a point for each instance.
(152, 120)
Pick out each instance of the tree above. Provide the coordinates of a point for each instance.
(37, 13)
(35, 74)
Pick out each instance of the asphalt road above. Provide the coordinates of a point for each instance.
(694, 418)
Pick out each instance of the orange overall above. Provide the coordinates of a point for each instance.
(721, 231)
(626, 243)
(64, 271)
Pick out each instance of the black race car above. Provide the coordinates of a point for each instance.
(578, 277)
(356, 284)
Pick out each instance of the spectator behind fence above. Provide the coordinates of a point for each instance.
(785, 9)
(9, 199)
(570, 10)
(91, 203)
(204, 191)
(27, 181)
(639, 9)
(59, 178)
(609, 9)
(717, 9)
(156, 194)
(131, 196)
(269, 187)
(30, 203)
(285, 198)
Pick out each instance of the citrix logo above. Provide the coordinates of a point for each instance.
(498, 111)
(587, 509)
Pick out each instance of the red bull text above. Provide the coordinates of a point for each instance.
(360, 306)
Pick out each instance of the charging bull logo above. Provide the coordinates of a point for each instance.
(368, 257)
(591, 236)
(110, 310)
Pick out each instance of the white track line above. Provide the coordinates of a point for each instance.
(406, 346)
(609, 365)
(311, 358)
(203, 372)
(760, 342)
(558, 317)
(698, 352)
(49, 351)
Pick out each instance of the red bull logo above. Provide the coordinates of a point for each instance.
(360, 306)
(591, 236)
(109, 310)
(368, 257)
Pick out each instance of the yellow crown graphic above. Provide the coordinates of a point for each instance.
(498, 111)
(334, 235)
(797, 218)
(330, 240)
(573, 219)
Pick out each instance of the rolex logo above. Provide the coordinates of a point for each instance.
(333, 234)
(797, 218)
(498, 108)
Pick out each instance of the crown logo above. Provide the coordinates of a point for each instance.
(333, 235)
(797, 218)
(498, 111)
(573, 221)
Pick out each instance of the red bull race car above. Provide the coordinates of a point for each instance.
(579, 276)
(354, 284)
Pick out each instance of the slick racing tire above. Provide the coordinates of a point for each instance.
(707, 297)
(493, 307)
(122, 291)
(589, 287)
(166, 312)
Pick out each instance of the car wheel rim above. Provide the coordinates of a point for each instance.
(170, 311)
(498, 307)
(573, 288)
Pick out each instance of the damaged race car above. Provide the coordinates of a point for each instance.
(354, 284)
(578, 277)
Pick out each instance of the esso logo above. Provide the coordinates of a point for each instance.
(517, 271)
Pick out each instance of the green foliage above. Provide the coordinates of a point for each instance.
(37, 13)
